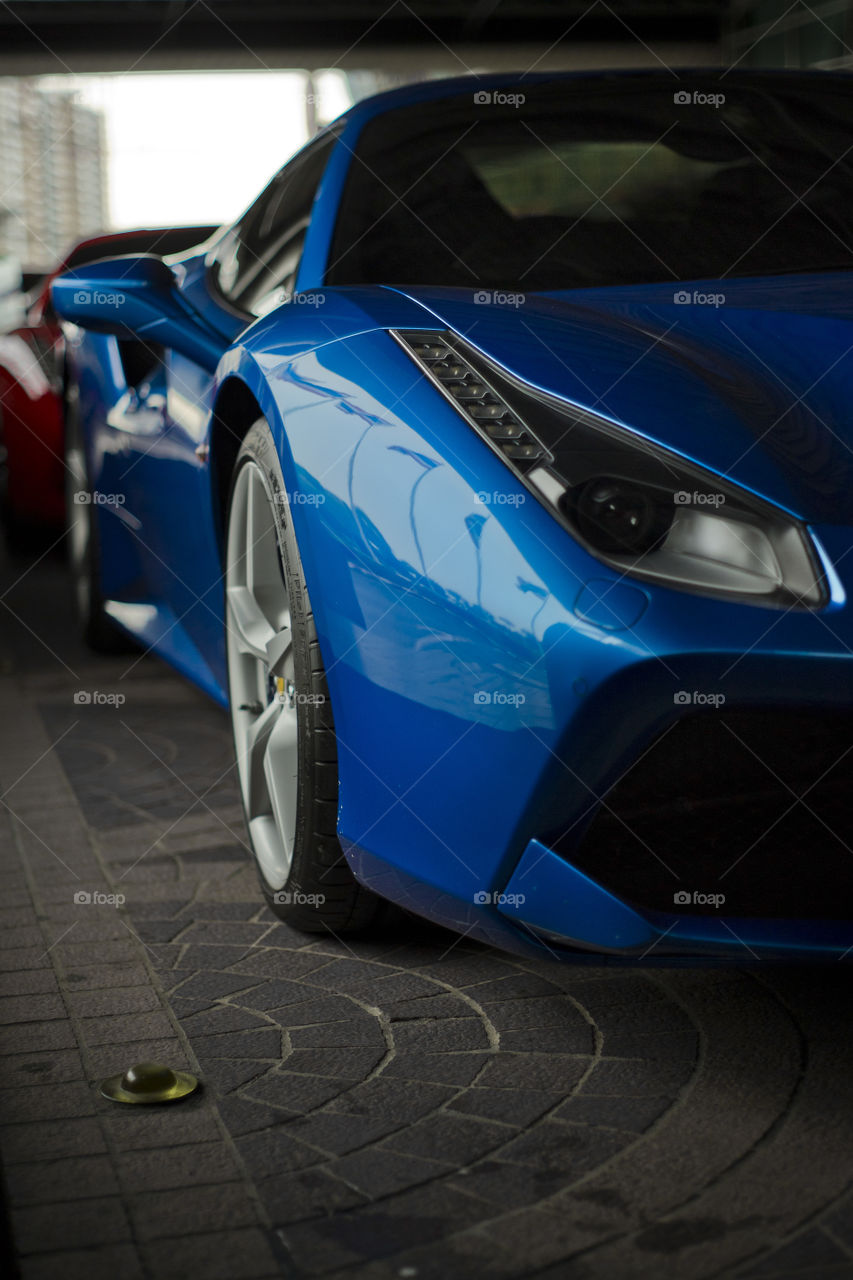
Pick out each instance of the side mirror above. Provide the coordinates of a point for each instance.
(136, 297)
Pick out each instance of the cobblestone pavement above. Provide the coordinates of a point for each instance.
(405, 1105)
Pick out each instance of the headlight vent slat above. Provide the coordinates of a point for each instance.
(480, 403)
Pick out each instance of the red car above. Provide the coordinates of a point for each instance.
(32, 364)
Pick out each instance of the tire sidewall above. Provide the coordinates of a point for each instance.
(259, 448)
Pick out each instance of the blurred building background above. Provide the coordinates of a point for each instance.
(64, 141)
(53, 167)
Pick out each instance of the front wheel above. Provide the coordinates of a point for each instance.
(284, 733)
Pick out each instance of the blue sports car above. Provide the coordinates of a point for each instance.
(494, 469)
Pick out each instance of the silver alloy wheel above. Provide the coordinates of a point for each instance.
(261, 675)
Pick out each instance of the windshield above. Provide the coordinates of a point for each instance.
(603, 182)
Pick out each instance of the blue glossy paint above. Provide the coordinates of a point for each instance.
(567, 908)
(489, 677)
(708, 381)
(136, 296)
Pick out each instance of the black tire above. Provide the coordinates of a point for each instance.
(97, 629)
(20, 537)
(318, 868)
(23, 538)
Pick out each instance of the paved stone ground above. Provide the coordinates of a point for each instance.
(408, 1105)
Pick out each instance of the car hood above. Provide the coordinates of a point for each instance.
(752, 378)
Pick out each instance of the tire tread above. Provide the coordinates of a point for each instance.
(319, 865)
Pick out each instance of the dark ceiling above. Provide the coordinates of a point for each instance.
(84, 35)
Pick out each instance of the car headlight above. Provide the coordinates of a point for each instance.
(633, 504)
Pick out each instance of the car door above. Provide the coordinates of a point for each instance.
(251, 271)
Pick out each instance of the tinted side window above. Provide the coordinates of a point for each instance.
(257, 263)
